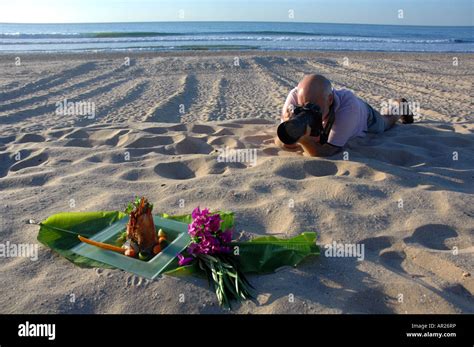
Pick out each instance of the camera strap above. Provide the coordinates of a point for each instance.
(323, 138)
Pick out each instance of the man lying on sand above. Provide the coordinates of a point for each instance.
(344, 116)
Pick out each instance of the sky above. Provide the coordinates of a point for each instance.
(415, 12)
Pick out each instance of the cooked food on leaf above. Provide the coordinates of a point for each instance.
(141, 238)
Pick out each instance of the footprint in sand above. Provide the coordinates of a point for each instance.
(199, 167)
(227, 141)
(156, 130)
(393, 259)
(5, 162)
(357, 170)
(79, 142)
(178, 127)
(432, 236)
(271, 151)
(320, 168)
(6, 139)
(30, 161)
(379, 248)
(77, 134)
(116, 157)
(189, 145)
(152, 141)
(302, 170)
(26, 138)
(174, 171)
(202, 129)
(110, 137)
(135, 175)
(136, 281)
(377, 243)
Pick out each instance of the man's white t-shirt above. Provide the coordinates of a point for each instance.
(350, 113)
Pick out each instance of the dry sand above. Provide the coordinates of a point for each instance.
(68, 163)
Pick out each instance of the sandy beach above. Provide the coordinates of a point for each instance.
(160, 120)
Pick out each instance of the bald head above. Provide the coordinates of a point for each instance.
(313, 86)
(315, 89)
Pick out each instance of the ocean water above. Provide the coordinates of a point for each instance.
(168, 36)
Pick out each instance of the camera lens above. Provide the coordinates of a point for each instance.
(290, 131)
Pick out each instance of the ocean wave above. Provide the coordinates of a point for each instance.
(206, 38)
(222, 35)
(62, 35)
(223, 48)
(118, 34)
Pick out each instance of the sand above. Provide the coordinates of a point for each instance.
(158, 128)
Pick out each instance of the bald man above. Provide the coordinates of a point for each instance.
(353, 117)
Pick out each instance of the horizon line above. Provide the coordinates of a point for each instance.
(235, 21)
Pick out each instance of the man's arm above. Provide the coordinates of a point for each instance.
(314, 149)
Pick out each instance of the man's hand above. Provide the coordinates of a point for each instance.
(288, 114)
(312, 148)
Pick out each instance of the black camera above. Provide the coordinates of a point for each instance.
(310, 114)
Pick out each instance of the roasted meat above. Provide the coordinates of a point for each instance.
(141, 228)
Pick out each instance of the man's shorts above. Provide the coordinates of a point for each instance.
(376, 123)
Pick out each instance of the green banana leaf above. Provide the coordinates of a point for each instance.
(260, 255)
(265, 254)
(52, 234)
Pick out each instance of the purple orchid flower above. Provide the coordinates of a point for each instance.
(183, 261)
(205, 230)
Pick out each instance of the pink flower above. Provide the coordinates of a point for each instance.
(226, 236)
(183, 261)
(206, 233)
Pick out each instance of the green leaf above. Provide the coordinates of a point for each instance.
(84, 223)
(187, 270)
(267, 253)
(129, 208)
